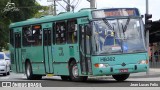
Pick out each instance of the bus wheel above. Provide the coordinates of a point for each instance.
(121, 77)
(73, 68)
(37, 77)
(65, 78)
(29, 73)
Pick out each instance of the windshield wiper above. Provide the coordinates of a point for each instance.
(108, 24)
(126, 25)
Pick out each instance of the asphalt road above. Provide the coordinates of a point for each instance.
(103, 81)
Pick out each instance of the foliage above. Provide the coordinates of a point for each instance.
(28, 9)
(3, 26)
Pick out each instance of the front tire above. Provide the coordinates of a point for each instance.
(121, 77)
(29, 73)
(73, 70)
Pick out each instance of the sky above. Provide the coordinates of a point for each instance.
(154, 5)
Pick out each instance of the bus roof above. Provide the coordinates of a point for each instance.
(70, 15)
(51, 18)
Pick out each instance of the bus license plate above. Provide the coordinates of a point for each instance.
(123, 70)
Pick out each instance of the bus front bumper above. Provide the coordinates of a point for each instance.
(119, 69)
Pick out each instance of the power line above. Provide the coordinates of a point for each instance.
(61, 5)
(26, 7)
(78, 4)
(73, 1)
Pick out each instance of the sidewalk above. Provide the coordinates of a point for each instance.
(153, 72)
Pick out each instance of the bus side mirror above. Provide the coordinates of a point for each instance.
(88, 30)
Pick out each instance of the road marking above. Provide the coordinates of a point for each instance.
(4, 77)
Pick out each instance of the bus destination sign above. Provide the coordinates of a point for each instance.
(115, 12)
(121, 12)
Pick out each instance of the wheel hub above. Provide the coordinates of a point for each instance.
(28, 70)
(75, 71)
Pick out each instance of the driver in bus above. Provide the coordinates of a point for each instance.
(110, 42)
(109, 39)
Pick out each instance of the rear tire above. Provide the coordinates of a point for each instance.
(121, 77)
(29, 73)
(73, 70)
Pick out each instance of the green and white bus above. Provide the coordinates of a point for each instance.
(91, 42)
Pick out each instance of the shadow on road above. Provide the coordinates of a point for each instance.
(1, 75)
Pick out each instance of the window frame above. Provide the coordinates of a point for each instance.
(69, 23)
(60, 32)
(11, 37)
(34, 37)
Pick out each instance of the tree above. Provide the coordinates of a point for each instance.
(4, 22)
(27, 9)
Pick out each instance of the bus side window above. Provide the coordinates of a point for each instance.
(72, 31)
(60, 32)
(11, 37)
(54, 33)
(37, 35)
(27, 36)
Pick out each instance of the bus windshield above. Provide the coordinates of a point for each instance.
(112, 36)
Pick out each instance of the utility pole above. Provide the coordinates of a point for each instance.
(52, 7)
(147, 7)
(92, 4)
(68, 5)
(55, 13)
(147, 31)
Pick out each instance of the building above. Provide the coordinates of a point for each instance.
(154, 40)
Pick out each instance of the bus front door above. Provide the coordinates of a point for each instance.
(47, 50)
(17, 52)
(85, 50)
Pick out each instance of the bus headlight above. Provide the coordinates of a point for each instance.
(143, 62)
(101, 65)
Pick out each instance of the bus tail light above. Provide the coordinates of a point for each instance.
(101, 65)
